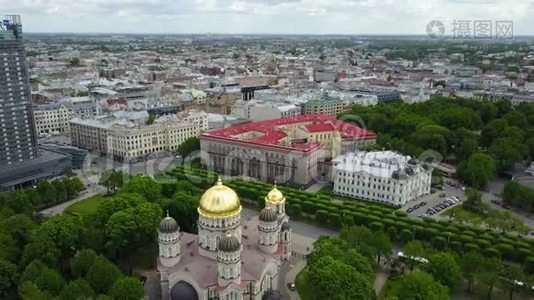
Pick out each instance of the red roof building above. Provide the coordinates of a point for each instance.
(279, 143)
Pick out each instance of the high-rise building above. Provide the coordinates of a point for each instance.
(21, 164)
(18, 141)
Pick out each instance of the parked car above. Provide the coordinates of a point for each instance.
(506, 205)
(409, 209)
(423, 203)
(442, 195)
(291, 286)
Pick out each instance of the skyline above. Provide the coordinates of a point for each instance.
(320, 17)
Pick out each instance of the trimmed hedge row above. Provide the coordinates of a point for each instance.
(336, 214)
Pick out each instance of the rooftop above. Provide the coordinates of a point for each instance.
(379, 164)
(273, 133)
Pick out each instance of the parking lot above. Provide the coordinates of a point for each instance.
(418, 208)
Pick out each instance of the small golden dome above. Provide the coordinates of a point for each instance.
(275, 196)
(219, 201)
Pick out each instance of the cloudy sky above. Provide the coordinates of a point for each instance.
(263, 16)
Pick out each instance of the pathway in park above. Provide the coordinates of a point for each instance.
(58, 209)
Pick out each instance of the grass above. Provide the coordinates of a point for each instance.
(85, 207)
(488, 217)
(388, 286)
(301, 282)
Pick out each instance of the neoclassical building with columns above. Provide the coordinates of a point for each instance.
(230, 258)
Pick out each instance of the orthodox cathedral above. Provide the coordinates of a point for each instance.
(230, 258)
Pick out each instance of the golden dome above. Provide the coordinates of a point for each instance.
(275, 196)
(219, 201)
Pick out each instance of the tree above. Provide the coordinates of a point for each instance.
(413, 249)
(127, 288)
(529, 143)
(111, 205)
(510, 276)
(43, 250)
(478, 170)
(45, 278)
(490, 273)
(82, 262)
(381, 244)
(444, 269)
(9, 250)
(183, 208)
(143, 185)
(19, 226)
(333, 279)
(188, 146)
(133, 227)
(112, 180)
(30, 291)
(47, 192)
(506, 152)
(418, 285)
(78, 289)
(76, 62)
(61, 191)
(8, 279)
(471, 263)
(474, 200)
(492, 131)
(64, 231)
(516, 118)
(102, 274)
(151, 119)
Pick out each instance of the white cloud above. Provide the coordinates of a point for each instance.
(262, 16)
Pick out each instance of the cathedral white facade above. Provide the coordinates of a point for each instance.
(230, 258)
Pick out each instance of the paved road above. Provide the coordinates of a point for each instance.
(58, 209)
(314, 188)
(434, 199)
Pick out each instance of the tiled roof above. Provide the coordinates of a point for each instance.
(272, 132)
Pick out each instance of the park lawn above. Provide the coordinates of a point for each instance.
(492, 218)
(301, 282)
(87, 206)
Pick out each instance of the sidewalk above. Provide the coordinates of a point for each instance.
(296, 264)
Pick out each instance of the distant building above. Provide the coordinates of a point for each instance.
(326, 104)
(382, 94)
(55, 117)
(262, 110)
(385, 177)
(127, 137)
(320, 75)
(296, 150)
